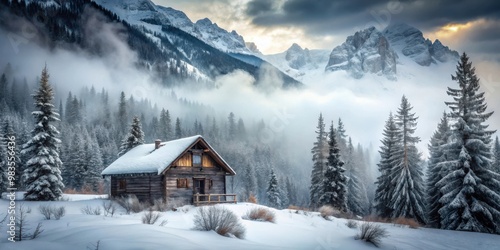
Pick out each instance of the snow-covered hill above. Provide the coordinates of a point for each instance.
(292, 230)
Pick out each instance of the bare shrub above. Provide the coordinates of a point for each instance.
(150, 217)
(46, 211)
(109, 208)
(59, 212)
(351, 224)
(163, 223)
(260, 214)
(131, 204)
(160, 205)
(22, 225)
(411, 223)
(252, 199)
(49, 212)
(372, 233)
(220, 220)
(91, 210)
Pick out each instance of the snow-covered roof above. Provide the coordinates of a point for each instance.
(145, 159)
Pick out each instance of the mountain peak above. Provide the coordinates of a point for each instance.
(367, 51)
(410, 42)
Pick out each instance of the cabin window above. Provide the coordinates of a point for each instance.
(182, 183)
(196, 159)
(122, 184)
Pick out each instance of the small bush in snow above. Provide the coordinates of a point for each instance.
(109, 208)
(327, 211)
(90, 210)
(371, 232)
(49, 212)
(260, 214)
(150, 217)
(220, 220)
(411, 223)
(131, 204)
(160, 205)
(252, 199)
(351, 224)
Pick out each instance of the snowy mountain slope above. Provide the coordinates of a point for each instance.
(292, 230)
(139, 12)
(204, 45)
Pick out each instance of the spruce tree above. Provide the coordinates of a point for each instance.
(134, 138)
(384, 190)
(471, 191)
(42, 175)
(406, 174)
(319, 158)
(496, 156)
(434, 172)
(333, 185)
(357, 200)
(4, 182)
(273, 192)
(231, 126)
(178, 129)
(165, 125)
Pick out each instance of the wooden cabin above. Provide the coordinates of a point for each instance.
(185, 171)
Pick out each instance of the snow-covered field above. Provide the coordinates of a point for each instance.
(291, 231)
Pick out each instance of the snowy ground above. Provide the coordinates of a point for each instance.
(291, 231)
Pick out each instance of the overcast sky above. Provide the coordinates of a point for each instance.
(465, 25)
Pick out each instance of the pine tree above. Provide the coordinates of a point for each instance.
(165, 125)
(406, 174)
(273, 192)
(496, 156)
(471, 191)
(4, 182)
(250, 181)
(75, 168)
(178, 129)
(357, 200)
(434, 172)
(384, 190)
(333, 185)
(122, 113)
(42, 174)
(231, 126)
(134, 138)
(319, 158)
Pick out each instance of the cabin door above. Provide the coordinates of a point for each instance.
(199, 187)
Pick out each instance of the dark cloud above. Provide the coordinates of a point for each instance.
(319, 16)
(258, 7)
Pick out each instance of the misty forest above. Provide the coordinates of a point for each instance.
(66, 134)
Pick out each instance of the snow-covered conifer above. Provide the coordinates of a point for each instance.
(319, 158)
(333, 185)
(42, 175)
(134, 138)
(273, 191)
(471, 191)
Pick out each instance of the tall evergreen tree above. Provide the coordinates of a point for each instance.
(496, 156)
(165, 125)
(406, 173)
(122, 113)
(134, 138)
(231, 126)
(333, 185)
(357, 200)
(471, 191)
(319, 158)
(42, 174)
(384, 190)
(273, 192)
(434, 172)
(178, 129)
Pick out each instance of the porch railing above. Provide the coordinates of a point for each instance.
(205, 199)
